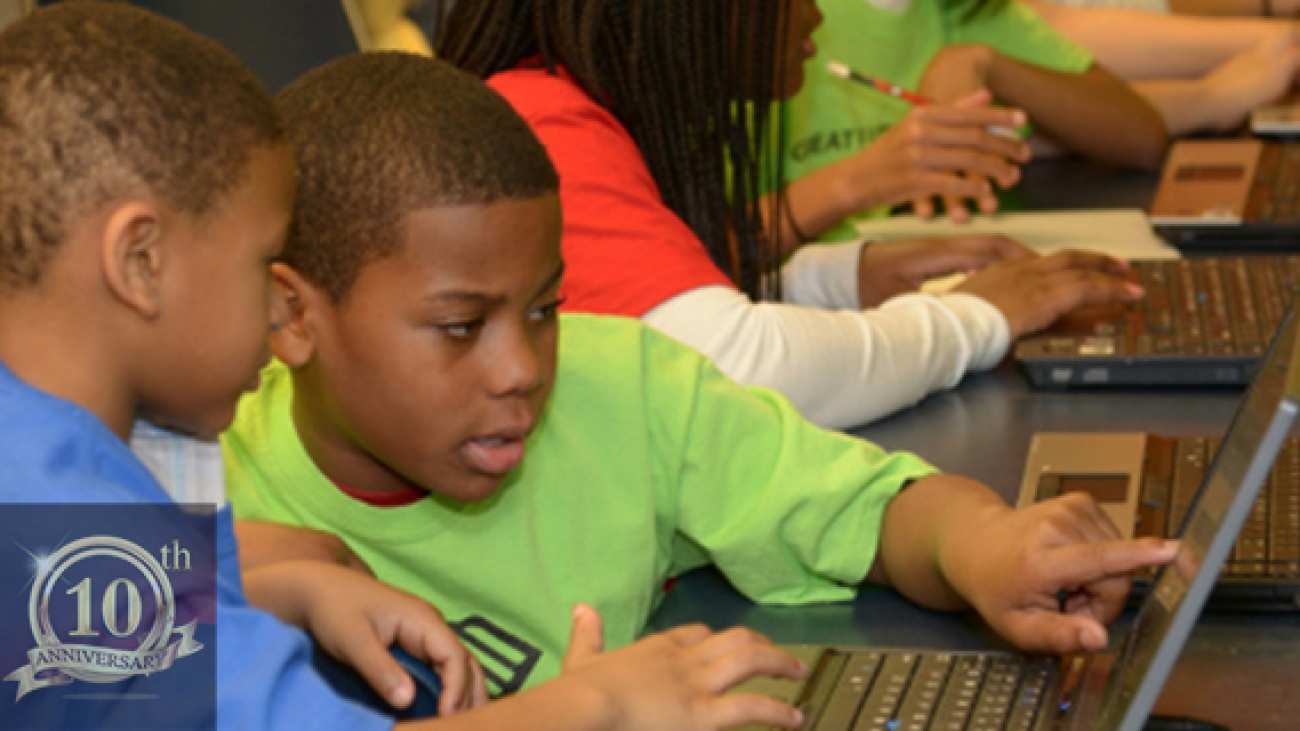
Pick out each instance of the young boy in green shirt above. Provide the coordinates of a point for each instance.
(145, 189)
(504, 463)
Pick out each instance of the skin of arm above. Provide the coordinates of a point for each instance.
(1223, 99)
(1199, 74)
(262, 544)
(1135, 45)
(949, 543)
(1093, 112)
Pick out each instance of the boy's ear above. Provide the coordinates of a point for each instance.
(294, 298)
(134, 256)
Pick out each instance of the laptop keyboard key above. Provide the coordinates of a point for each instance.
(851, 690)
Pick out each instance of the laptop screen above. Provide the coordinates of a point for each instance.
(1242, 464)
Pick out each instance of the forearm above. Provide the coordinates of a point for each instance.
(919, 523)
(283, 589)
(1186, 106)
(557, 705)
(1093, 112)
(840, 368)
(263, 543)
(1138, 45)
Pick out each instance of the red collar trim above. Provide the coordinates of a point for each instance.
(395, 499)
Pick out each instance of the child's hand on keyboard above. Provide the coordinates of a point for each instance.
(1048, 577)
(679, 679)
(1033, 293)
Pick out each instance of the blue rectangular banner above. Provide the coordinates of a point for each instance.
(108, 617)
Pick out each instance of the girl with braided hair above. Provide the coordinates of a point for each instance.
(658, 116)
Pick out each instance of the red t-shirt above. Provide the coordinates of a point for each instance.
(625, 252)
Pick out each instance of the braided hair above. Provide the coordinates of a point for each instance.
(693, 81)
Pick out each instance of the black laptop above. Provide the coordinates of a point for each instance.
(867, 689)
(1229, 195)
(1204, 321)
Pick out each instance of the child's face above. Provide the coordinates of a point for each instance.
(802, 17)
(218, 299)
(437, 363)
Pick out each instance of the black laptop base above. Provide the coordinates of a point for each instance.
(1049, 374)
(1236, 239)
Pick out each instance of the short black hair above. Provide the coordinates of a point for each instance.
(99, 101)
(380, 135)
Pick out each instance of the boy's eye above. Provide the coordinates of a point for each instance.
(546, 311)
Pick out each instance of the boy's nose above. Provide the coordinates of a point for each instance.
(517, 369)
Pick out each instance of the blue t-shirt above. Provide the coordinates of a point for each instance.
(53, 451)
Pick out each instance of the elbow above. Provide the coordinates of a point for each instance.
(1155, 143)
(1142, 143)
(1148, 136)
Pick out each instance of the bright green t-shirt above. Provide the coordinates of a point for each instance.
(894, 40)
(647, 462)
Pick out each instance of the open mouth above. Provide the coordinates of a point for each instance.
(496, 454)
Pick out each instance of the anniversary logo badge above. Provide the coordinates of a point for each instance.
(77, 658)
(96, 618)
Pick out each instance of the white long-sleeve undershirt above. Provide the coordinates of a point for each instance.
(840, 366)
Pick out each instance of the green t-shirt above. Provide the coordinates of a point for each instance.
(647, 462)
(894, 40)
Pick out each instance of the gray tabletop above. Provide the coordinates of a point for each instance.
(1238, 669)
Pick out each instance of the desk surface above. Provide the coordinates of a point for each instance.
(1237, 669)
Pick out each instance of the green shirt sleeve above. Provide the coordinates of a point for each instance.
(1017, 31)
(790, 512)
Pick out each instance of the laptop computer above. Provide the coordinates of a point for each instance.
(1229, 194)
(1146, 485)
(1204, 321)
(1280, 119)
(904, 690)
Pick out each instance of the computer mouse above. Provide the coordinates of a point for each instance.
(349, 684)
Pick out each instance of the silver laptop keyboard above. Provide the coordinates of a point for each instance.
(901, 691)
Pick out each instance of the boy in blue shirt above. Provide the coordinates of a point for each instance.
(145, 188)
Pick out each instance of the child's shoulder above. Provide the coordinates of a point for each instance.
(52, 451)
(538, 96)
(534, 80)
(610, 362)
